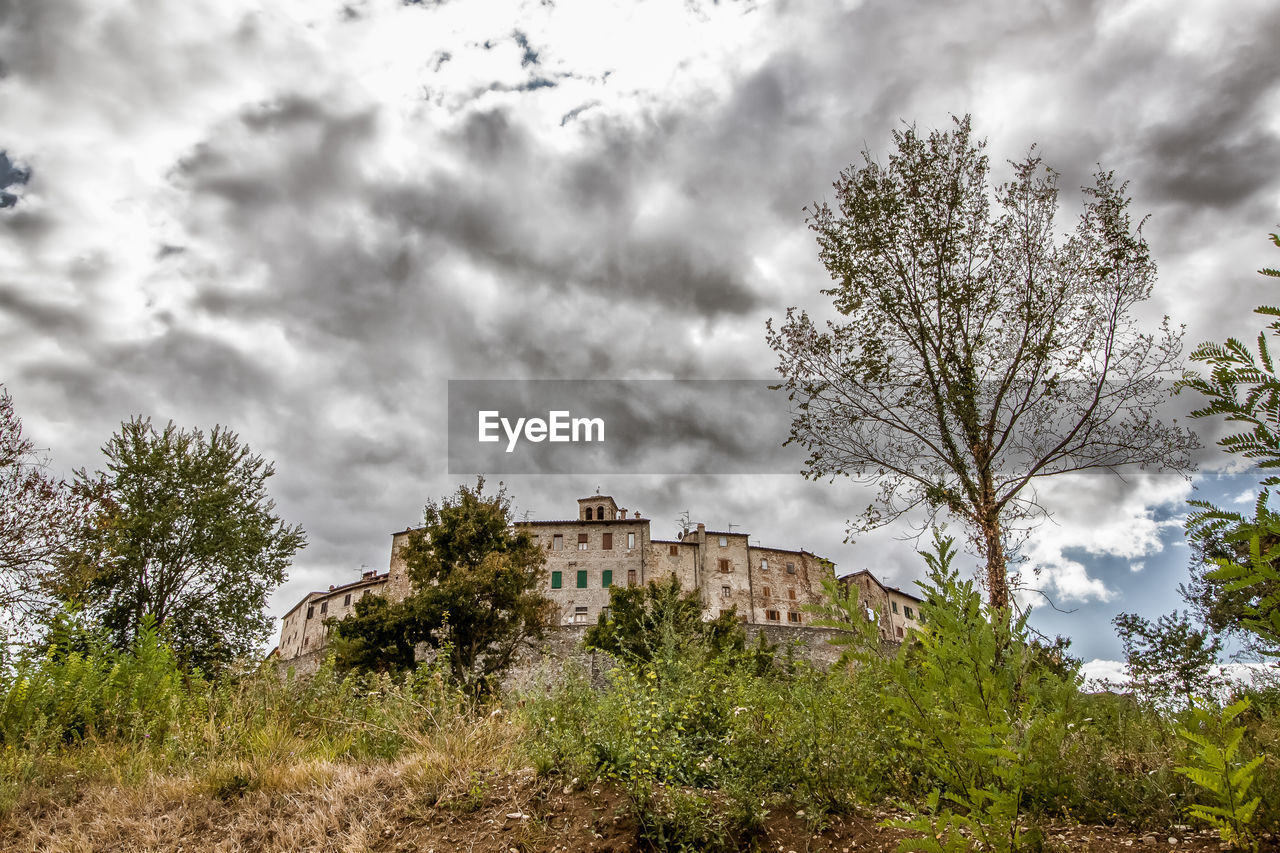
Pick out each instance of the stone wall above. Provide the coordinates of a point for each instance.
(548, 662)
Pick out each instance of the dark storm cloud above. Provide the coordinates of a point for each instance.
(10, 175)
(42, 316)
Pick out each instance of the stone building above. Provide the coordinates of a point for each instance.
(896, 612)
(302, 629)
(606, 546)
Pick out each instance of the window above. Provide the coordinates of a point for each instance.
(764, 564)
(675, 551)
(579, 615)
(582, 541)
(557, 542)
(588, 513)
(600, 513)
(793, 617)
(631, 541)
(724, 541)
(900, 634)
(772, 616)
(894, 605)
(346, 602)
(791, 594)
(324, 607)
(306, 641)
(557, 580)
(311, 611)
(764, 590)
(582, 578)
(631, 577)
(791, 568)
(725, 591)
(906, 611)
(606, 579)
(724, 565)
(607, 543)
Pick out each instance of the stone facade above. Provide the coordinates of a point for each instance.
(302, 631)
(602, 547)
(895, 611)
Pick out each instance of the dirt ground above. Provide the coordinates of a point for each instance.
(353, 808)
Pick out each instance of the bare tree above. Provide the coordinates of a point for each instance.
(39, 515)
(977, 353)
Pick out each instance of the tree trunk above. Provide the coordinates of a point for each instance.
(997, 564)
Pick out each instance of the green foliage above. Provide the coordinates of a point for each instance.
(1168, 661)
(975, 353)
(656, 621)
(38, 518)
(475, 597)
(185, 534)
(1243, 388)
(980, 708)
(1217, 769)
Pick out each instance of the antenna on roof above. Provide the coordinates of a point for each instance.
(684, 522)
(526, 514)
(731, 526)
(597, 490)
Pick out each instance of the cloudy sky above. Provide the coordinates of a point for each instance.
(300, 219)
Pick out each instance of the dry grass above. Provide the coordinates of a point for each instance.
(272, 801)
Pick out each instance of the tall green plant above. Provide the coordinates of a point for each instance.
(979, 702)
(1215, 767)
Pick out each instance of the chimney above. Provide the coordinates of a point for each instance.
(331, 587)
(637, 513)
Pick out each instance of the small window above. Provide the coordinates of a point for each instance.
(606, 579)
(894, 605)
(793, 617)
(579, 615)
(724, 565)
(324, 607)
(675, 551)
(900, 634)
(582, 541)
(582, 578)
(772, 616)
(764, 564)
(588, 513)
(764, 590)
(557, 542)
(557, 580)
(311, 611)
(725, 591)
(600, 513)
(631, 541)
(631, 577)
(791, 594)
(906, 611)
(346, 601)
(724, 541)
(791, 568)
(607, 543)
(306, 641)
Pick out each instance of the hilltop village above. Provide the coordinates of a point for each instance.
(605, 546)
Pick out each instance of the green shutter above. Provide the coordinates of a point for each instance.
(557, 580)
(582, 578)
(606, 578)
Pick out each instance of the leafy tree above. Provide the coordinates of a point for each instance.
(375, 637)
(654, 621)
(1169, 660)
(183, 533)
(38, 517)
(475, 594)
(976, 354)
(1243, 588)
